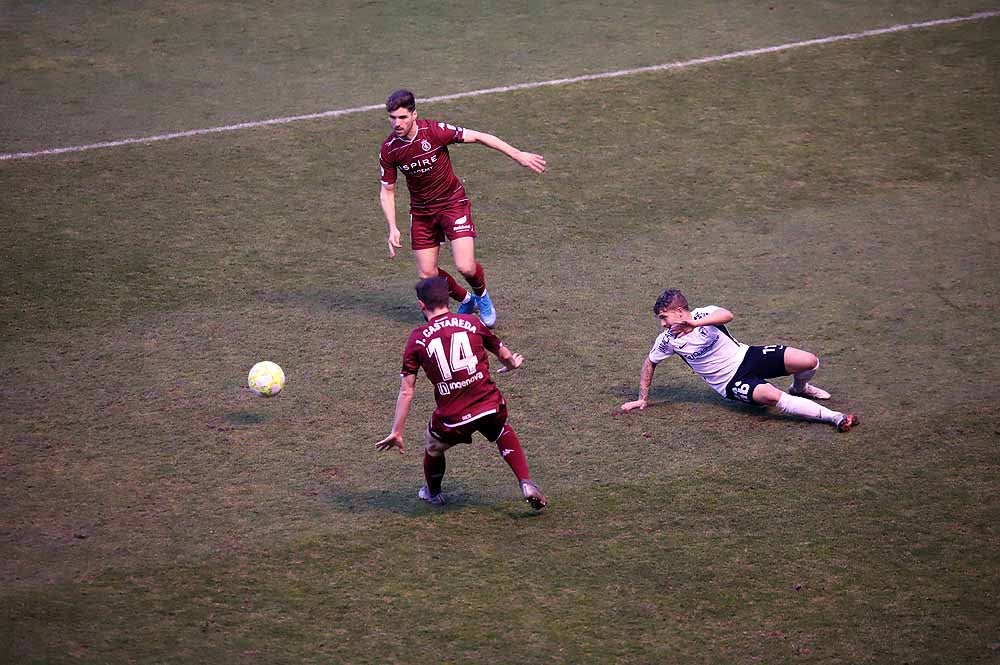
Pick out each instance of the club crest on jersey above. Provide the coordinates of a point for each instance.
(425, 145)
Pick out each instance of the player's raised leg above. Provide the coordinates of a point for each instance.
(427, 261)
(427, 266)
(802, 365)
(463, 250)
(767, 395)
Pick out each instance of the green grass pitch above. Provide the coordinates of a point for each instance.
(840, 198)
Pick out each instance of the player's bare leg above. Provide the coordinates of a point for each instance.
(802, 365)
(463, 250)
(800, 407)
(427, 261)
(427, 266)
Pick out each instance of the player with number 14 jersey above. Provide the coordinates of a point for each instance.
(452, 350)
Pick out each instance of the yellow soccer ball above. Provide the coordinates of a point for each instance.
(266, 379)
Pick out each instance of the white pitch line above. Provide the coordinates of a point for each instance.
(903, 27)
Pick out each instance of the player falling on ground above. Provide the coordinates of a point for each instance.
(732, 369)
(451, 348)
(439, 208)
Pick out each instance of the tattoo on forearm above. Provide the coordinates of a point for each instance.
(646, 379)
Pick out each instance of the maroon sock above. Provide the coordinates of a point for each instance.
(433, 472)
(477, 280)
(455, 290)
(510, 449)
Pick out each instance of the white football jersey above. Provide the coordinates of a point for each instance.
(710, 351)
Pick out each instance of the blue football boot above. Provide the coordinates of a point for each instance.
(469, 306)
(487, 314)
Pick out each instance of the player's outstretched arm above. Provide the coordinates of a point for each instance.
(528, 160)
(645, 380)
(719, 317)
(403, 402)
(510, 360)
(387, 199)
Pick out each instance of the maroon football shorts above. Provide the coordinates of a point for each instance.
(430, 229)
(449, 433)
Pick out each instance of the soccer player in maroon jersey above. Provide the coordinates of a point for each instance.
(452, 350)
(439, 208)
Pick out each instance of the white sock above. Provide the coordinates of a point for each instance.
(801, 380)
(801, 407)
(468, 297)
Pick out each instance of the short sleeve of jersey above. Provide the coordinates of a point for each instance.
(702, 312)
(491, 342)
(411, 357)
(387, 171)
(661, 349)
(446, 134)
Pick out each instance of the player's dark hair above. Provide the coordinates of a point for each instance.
(433, 292)
(400, 99)
(669, 299)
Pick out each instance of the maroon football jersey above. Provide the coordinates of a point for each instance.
(452, 350)
(425, 163)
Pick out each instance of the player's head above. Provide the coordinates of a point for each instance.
(401, 99)
(401, 107)
(432, 293)
(670, 307)
(670, 299)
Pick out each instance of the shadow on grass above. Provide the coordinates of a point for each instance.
(664, 396)
(244, 418)
(400, 307)
(404, 501)
(667, 402)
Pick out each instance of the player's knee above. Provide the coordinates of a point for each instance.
(427, 272)
(801, 361)
(467, 268)
(766, 395)
(434, 448)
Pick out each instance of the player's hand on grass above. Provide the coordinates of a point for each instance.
(637, 404)
(394, 242)
(394, 440)
(512, 363)
(530, 160)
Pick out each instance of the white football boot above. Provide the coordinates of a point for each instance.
(810, 392)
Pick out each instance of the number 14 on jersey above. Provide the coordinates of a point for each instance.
(460, 355)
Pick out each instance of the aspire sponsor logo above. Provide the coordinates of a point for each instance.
(419, 165)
